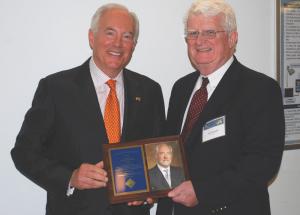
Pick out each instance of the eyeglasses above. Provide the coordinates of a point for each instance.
(207, 34)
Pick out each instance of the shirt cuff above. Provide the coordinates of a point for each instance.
(70, 190)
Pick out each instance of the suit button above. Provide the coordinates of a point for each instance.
(213, 211)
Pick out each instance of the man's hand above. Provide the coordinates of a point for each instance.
(149, 201)
(89, 176)
(184, 194)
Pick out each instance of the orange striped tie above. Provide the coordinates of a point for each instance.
(112, 114)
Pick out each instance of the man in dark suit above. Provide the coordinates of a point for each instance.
(163, 175)
(59, 146)
(234, 146)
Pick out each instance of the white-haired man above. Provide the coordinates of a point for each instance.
(74, 112)
(230, 118)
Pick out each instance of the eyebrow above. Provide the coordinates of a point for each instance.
(110, 28)
(209, 29)
(113, 29)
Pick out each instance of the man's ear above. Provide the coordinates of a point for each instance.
(91, 38)
(185, 39)
(233, 38)
(133, 47)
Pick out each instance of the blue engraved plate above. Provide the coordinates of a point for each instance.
(128, 167)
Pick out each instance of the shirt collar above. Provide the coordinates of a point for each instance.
(215, 77)
(100, 78)
(163, 168)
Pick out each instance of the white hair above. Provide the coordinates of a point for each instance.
(213, 8)
(97, 16)
(163, 144)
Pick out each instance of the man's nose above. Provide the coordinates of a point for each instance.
(118, 40)
(200, 39)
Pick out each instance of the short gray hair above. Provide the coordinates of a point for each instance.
(162, 144)
(96, 17)
(213, 8)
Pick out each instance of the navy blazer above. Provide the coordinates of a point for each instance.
(230, 173)
(64, 128)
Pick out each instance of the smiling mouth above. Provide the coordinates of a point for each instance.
(204, 49)
(115, 53)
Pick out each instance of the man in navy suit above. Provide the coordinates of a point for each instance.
(163, 175)
(234, 148)
(59, 146)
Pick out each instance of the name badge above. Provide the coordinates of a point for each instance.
(213, 129)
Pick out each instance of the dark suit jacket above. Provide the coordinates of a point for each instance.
(230, 174)
(64, 128)
(158, 181)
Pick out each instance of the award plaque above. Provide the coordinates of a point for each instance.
(144, 168)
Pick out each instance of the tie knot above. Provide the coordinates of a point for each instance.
(205, 81)
(112, 84)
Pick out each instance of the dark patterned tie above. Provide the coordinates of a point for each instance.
(197, 104)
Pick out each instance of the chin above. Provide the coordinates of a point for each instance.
(204, 61)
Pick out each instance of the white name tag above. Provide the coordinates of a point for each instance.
(213, 129)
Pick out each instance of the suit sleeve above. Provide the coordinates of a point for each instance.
(33, 141)
(160, 122)
(262, 121)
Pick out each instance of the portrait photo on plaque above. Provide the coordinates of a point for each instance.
(165, 166)
(145, 168)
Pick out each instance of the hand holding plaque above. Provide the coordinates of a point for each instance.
(145, 168)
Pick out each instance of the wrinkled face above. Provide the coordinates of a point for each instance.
(164, 155)
(113, 43)
(209, 54)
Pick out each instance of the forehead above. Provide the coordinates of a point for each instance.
(164, 148)
(200, 21)
(117, 18)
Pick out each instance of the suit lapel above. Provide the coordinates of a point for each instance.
(219, 100)
(186, 93)
(88, 101)
(173, 176)
(133, 96)
(177, 110)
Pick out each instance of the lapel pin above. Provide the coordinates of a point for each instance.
(138, 99)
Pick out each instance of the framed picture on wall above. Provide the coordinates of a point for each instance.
(288, 66)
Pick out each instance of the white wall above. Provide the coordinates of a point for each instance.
(41, 37)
